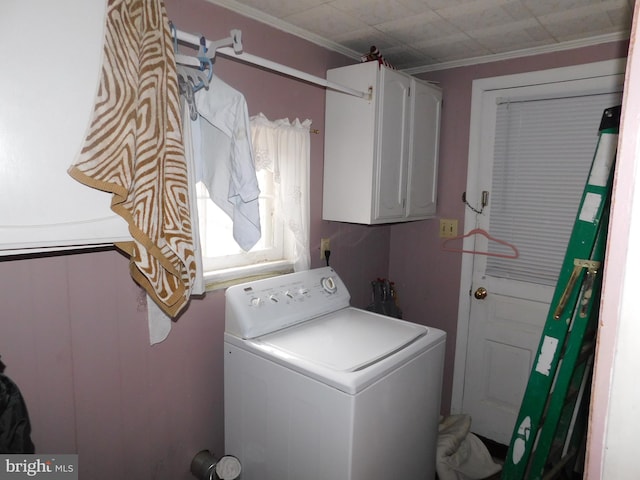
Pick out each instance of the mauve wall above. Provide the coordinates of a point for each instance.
(73, 329)
(429, 279)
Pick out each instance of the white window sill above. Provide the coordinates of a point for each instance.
(220, 279)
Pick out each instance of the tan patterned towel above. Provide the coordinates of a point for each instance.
(134, 149)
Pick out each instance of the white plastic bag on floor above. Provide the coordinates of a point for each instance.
(460, 454)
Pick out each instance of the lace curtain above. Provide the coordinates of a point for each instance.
(282, 147)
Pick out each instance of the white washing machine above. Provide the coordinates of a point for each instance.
(318, 390)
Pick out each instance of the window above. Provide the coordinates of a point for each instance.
(281, 152)
(543, 151)
(219, 249)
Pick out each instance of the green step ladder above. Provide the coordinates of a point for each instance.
(549, 436)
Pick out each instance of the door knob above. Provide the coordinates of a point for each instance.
(481, 293)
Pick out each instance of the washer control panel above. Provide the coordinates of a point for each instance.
(264, 306)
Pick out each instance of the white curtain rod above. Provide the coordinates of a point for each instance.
(224, 47)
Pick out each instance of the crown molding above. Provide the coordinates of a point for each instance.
(330, 45)
(527, 52)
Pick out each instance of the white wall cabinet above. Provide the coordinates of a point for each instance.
(50, 71)
(381, 154)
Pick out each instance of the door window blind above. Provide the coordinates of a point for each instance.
(542, 154)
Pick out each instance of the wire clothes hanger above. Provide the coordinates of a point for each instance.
(198, 70)
(194, 73)
(478, 231)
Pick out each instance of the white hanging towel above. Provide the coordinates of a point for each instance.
(192, 174)
(224, 158)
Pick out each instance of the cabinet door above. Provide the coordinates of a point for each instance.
(392, 141)
(349, 146)
(422, 183)
(49, 79)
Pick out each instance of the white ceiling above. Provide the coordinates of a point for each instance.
(424, 35)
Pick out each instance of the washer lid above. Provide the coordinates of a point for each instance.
(345, 341)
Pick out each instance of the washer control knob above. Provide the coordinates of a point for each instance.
(255, 301)
(329, 284)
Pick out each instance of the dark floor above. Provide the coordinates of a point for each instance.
(497, 451)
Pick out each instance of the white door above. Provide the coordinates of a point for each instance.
(533, 190)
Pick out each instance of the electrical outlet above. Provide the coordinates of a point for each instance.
(448, 228)
(324, 245)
